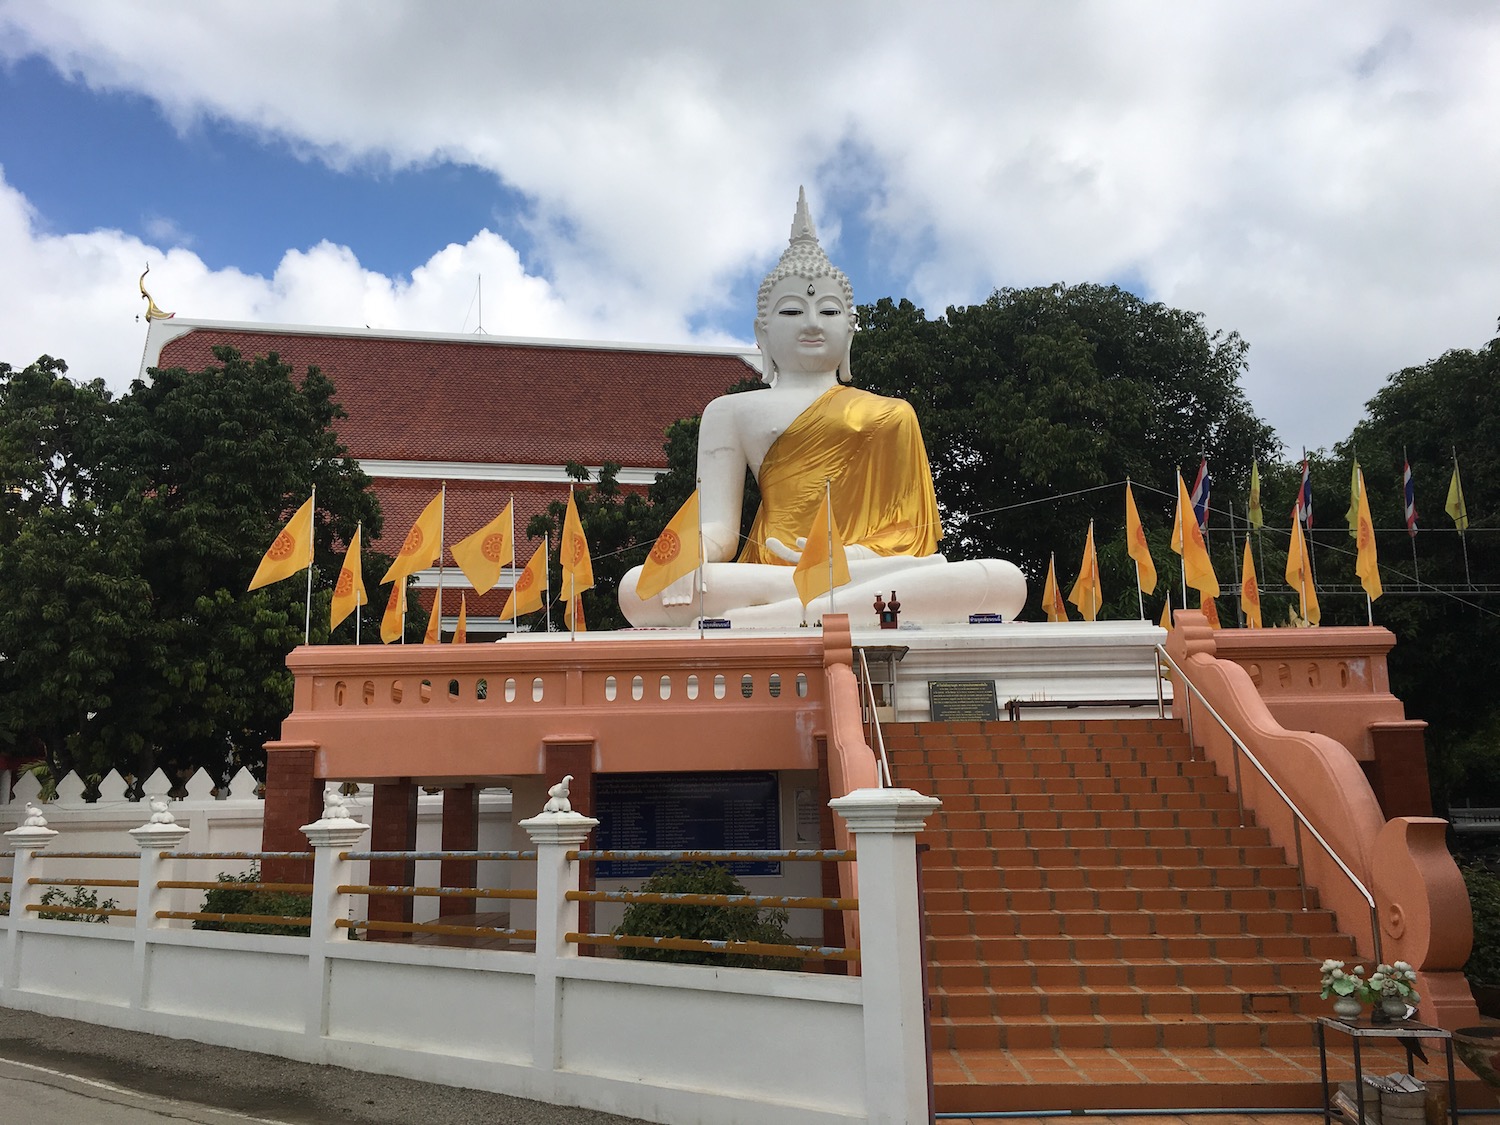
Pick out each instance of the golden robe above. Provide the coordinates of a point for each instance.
(870, 448)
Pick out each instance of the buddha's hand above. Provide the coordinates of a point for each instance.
(794, 554)
(682, 592)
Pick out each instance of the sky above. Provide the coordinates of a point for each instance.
(1320, 177)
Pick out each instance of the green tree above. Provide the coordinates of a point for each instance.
(136, 526)
(1034, 399)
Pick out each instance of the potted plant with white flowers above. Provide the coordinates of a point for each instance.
(1347, 988)
(1395, 987)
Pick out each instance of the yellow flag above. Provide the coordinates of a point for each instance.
(291, 550)
(530, 585)
(349, 593)
(1299, 571)
(1366, 565)
(1187, 541)
(573, 616)
(423, 542)
(1250, 590)
(393, 623)
(573, 553)
(1454, 507)
(812, 575)
(461, 631)
(434, 633)
(1052, 599)
(1166, 613)
(1086, 593)
(489, 550)
(1135, 543)
(1257, 517)
(1210, 611)
(675, 554)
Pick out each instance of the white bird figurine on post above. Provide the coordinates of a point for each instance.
(557, 797)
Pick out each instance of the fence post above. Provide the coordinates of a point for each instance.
(330, 835)
(885, 823)
(160, 833)
(553, 831)
(27, 841)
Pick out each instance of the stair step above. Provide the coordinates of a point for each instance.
(1251, 975)
(1024, 1005)
(975, 877)
(976, 839)
(1009, 858)
(1084, 1032)
(1114, 947)
(956, 900)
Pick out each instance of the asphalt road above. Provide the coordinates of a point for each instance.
(61, 1072)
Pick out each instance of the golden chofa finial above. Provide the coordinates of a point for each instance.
(152, 312)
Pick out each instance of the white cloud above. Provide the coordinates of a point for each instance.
(1320, 178)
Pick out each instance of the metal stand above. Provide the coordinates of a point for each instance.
(1406, 1031)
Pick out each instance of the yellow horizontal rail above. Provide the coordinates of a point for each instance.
(689, 898)
(253, 919)
(90, 911)
(436, 928)
(82, 882)
(437, 892)
(218, 884)
(753, 948)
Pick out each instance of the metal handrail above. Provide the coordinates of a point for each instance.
(867, 702)
(1299, 818)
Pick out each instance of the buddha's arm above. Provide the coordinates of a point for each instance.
(721, 480)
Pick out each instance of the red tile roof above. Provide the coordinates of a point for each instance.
(489, 401)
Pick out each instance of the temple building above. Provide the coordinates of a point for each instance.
(493, 416)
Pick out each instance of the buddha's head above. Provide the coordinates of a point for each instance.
(805, 289)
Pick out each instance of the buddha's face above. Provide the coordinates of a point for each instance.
(808, 328)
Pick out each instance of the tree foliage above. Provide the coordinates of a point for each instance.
(133, 527)
(1034, 399)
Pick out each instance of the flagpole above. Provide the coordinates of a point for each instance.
(1462, 538)
(515, 617)
(312, 512)
(358, 528)
(1234, 559)
(437, 601)
(1312, 562)
(1140, 598)
(547, 583)
(1416, 571)
(698, 484)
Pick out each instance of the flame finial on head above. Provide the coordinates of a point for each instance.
(803, 257)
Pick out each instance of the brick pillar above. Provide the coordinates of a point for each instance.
(460, 834)
(393, 828)
(294, 797)
(571, 756)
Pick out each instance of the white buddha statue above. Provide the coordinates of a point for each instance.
(809, 427)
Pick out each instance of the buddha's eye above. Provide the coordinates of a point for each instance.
(790, 310)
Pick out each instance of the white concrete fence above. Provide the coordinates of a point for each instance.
(669, 1043)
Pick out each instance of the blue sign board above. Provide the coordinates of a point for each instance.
(733, 811)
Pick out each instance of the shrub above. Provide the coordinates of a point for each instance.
(708, 923)
(1484, 896)
(85, 899)
(232, 898)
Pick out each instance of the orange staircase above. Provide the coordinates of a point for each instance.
(1102, 932)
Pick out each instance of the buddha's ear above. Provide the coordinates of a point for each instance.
(845, 373)
(768, 365)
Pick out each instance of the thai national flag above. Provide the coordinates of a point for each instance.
(1199, 497)
(1411, 499)
(1306, 502)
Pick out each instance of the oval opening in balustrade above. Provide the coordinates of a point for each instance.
(637, 689)
(747, 685)
(719, 686)
(338, 694)
(536, 690)
(369, 692)
(775, 685)
(510, 691)
(610, 689)
(692, 687)
(426, 691)
(666, 687)
(453, 689)
(801, 685)
(481, 688)
(396, 691)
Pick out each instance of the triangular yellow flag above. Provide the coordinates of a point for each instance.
(1351, 517)
(489, 550)
(530, 585)
(461, 631)
(1455, 506)
(1187, 541)
(422, 545)
(434, 633)
(1257, 516)
(290, 552)
(1299, 571)
(573, 616)
(393, 622)
(813, 575)
(349, 592)
(675, 553)
(1366, 565)
(1135, 543)
(1086, 594)
(573, 553)
(1166, 613)
(1250, 590)
(1210, 611)
(1052, 599)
